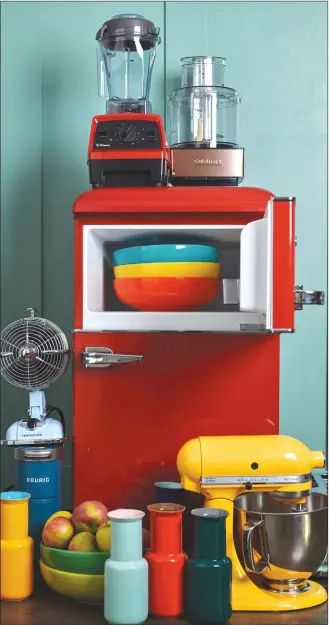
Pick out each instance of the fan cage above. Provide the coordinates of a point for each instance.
(34, 353)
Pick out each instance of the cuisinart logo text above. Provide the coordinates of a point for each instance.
(31, 435)
(36, 480)
(208, 161)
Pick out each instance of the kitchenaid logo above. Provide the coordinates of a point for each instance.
(208, 161)
(37, 480)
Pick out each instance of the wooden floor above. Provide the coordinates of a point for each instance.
(48, 608)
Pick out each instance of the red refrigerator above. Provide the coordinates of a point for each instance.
(146, 382)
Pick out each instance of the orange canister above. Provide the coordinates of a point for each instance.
(166, 560)
(16, 557)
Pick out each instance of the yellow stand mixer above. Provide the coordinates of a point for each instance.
(276, 534)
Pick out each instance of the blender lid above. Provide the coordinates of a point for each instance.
(126, 28)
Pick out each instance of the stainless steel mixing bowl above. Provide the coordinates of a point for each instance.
(280, 542)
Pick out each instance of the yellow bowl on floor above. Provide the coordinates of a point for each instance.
(168, 270)
(78, 586)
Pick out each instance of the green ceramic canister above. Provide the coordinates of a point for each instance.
(209, 571)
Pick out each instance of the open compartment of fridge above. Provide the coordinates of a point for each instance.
(242, 299)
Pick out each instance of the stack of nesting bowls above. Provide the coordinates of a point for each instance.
(74, 574)
(170, 277)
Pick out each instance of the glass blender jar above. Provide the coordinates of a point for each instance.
(204, 116)
(127, 145)
(126, 53)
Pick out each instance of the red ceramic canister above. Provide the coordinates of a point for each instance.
(166, 560)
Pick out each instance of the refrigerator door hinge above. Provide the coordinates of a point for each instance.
(252, 327)
(302, 297)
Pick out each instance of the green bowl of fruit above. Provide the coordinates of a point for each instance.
(91, 563)
(78, 542)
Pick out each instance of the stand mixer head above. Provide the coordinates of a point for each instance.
(278, 471)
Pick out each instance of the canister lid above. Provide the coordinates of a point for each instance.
(123, 29)
(14, 495)
(210, 513)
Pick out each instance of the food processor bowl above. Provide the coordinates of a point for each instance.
(126, 50)
(203, 112)
(279, 541)
(204, 117)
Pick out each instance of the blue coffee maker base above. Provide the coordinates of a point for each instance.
(39, 512)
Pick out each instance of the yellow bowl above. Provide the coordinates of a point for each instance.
(168, 270)
(78, 586)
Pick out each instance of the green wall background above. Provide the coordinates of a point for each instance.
(277, 60)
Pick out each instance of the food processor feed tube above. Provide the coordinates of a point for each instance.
(126, 53)
(209, 572)
(126, 571)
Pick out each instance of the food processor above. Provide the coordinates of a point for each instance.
(203, 134)
(127, 146)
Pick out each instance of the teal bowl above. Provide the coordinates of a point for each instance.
(74, 561)
(171, 253)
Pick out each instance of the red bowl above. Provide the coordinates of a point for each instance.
(166, 294)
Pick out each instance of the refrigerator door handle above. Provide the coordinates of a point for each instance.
(100, 357)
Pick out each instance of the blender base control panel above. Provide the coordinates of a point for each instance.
(120, 135)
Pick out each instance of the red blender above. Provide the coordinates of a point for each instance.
(127, 146)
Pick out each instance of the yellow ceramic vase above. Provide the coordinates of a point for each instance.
(168, 270)
(16, 557)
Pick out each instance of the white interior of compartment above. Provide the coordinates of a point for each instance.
(100, 242)
(245, 254)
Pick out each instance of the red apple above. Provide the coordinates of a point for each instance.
(57, 533)
(88, 516)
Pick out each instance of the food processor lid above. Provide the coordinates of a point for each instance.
(126, 28)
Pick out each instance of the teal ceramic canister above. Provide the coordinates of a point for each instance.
(209, 571)
(126, 571)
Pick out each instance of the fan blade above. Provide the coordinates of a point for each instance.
(55, 351)
(46, 363)
(9, 343)
(50, 338)
(4, 366)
